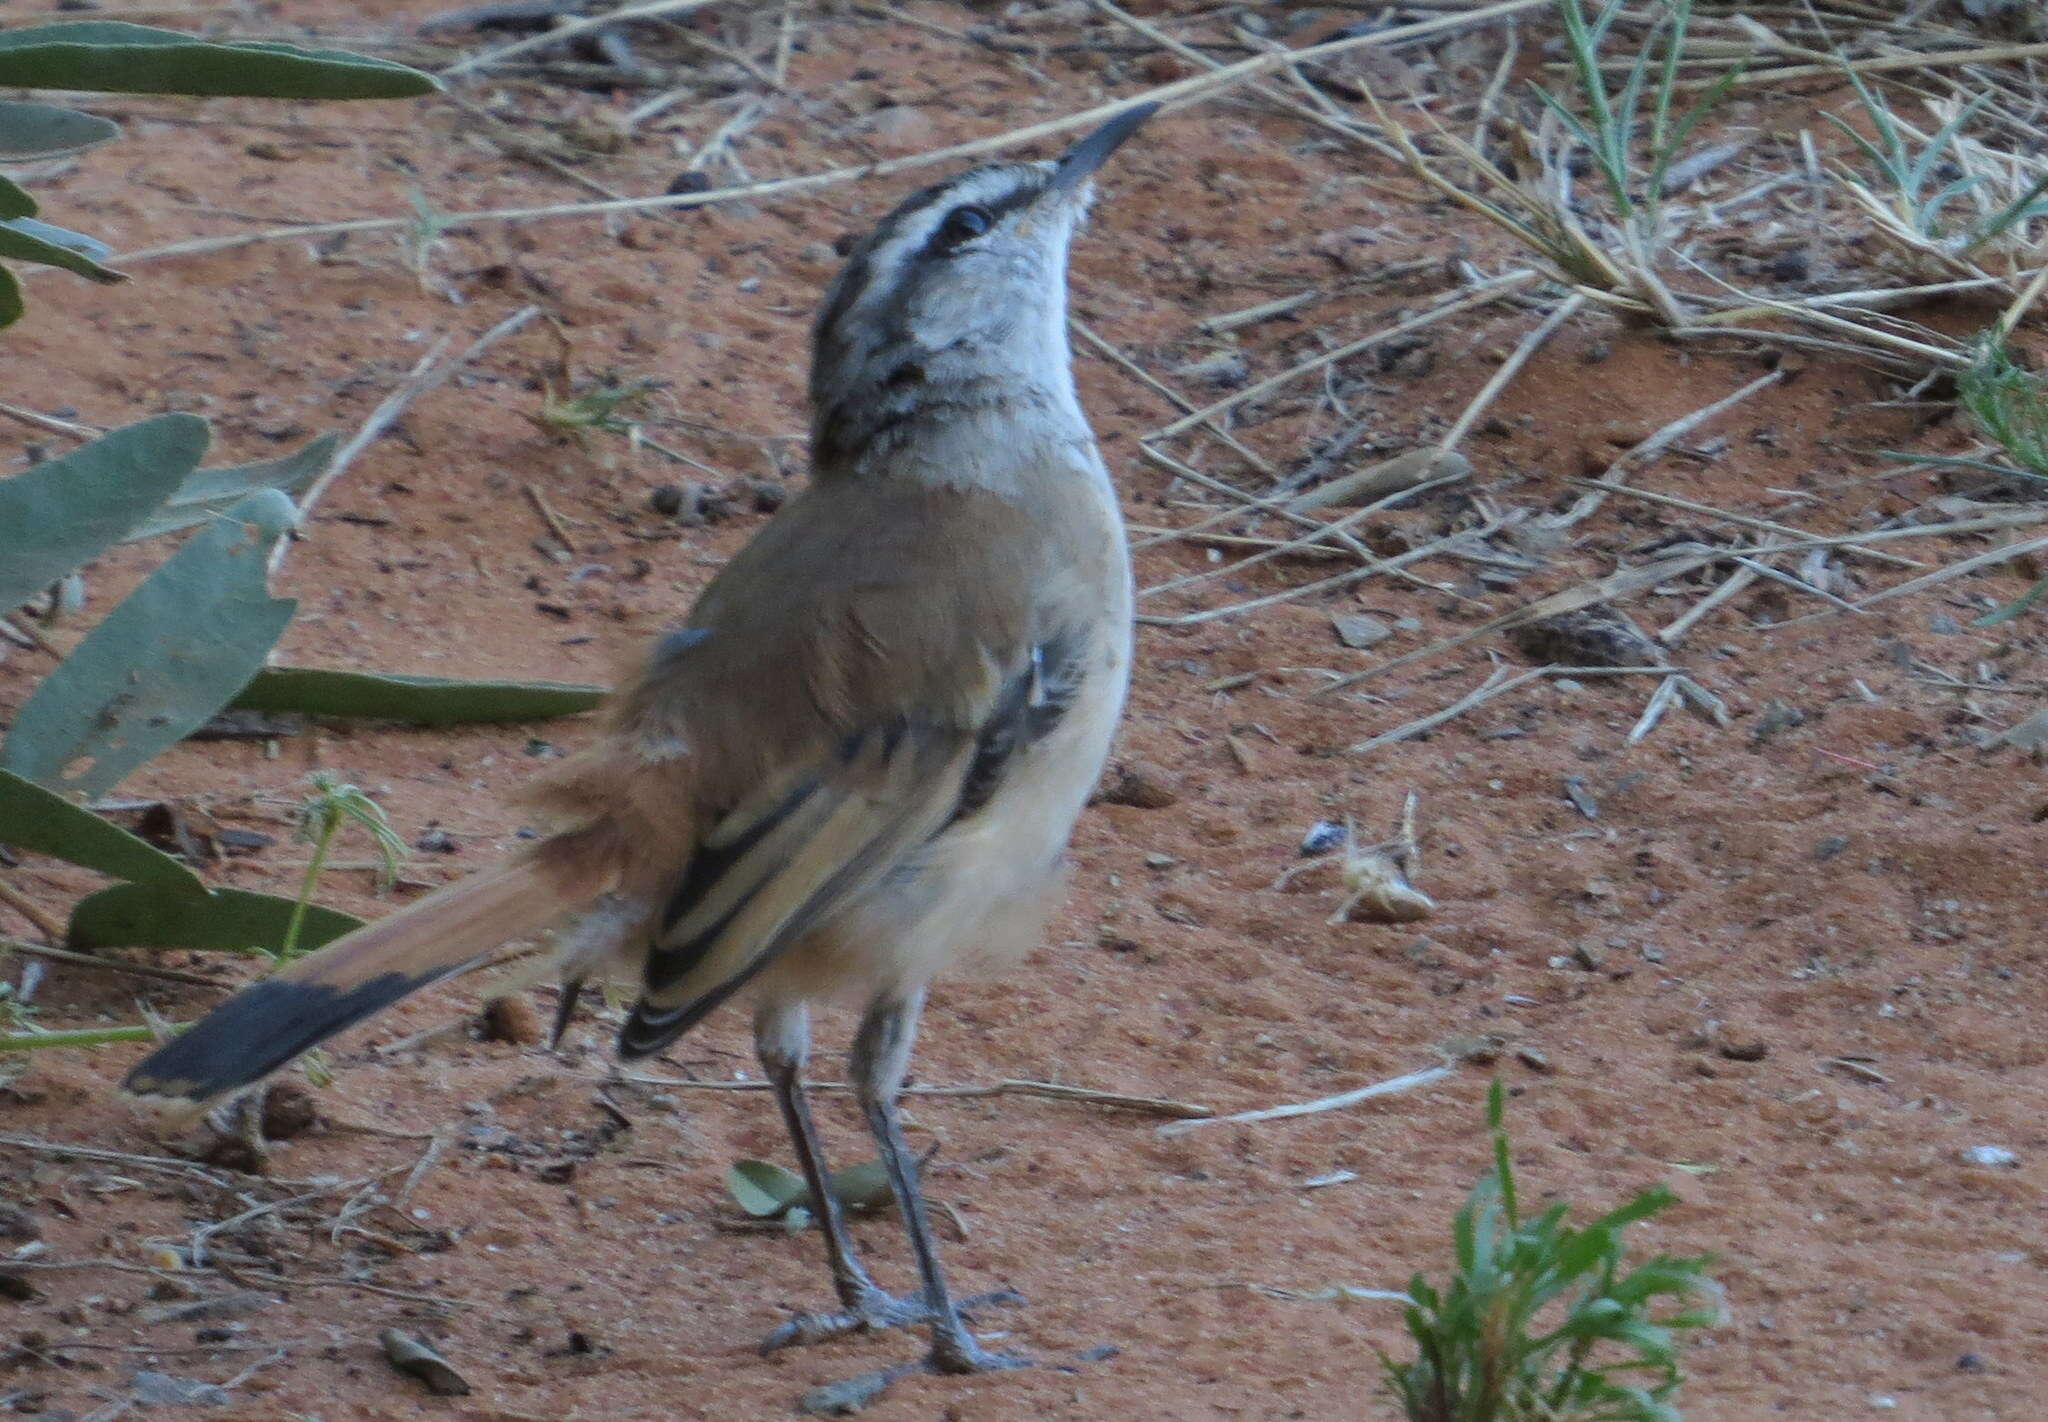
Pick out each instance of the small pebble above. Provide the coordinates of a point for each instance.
(1990, 1155)
(1140, 786)
(1361, 631)
(1741, 1044)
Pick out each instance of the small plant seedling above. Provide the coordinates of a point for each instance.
(1631, 135)
(2007, 403)
(333, 804)
(1948, 201)
(420, 237)
(1541, 1321)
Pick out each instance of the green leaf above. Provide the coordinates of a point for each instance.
(764, 1189)
(168, 657)
(207, 493)
(69, 509)
(110, 57)
(10, 299)
(40, 130)
(426, 700)
(41, 822)
(15, 200)
(220, 921)
(862, 1187)
(27, 240)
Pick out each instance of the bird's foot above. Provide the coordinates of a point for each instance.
(870, 1311)
(949, 1357)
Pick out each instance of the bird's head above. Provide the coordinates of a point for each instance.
(958, 293)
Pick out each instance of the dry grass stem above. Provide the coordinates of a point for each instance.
(1498, 683)
(1728, 587)
(108, 965)
(569, 29)
(428, 373)
(1745, 520)
(1309, 1108)
(1509, 368)
(1108, 351)
(1200, 86)
(1649, 449)
(1624, 583)
(1484, 294)
(1315, 541)
(1399, 562)
(1041, 1090)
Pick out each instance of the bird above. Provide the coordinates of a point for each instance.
(859, 759)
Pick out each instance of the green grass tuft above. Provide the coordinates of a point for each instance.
(1542, 1322)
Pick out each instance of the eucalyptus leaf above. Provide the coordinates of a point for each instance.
(41, 822)
(15, 200)
(764, 1189)
(10, 300)
(173, 653)
(27, 240)
(70, 509)
(425, 700)
(864, 1186)
(218, 921)
(29, 130)
(111, 57)
(207, 493)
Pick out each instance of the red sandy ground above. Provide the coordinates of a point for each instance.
(1865, 884)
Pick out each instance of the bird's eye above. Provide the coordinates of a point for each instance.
(964, 224)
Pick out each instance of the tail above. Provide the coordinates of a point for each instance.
(268, 1023)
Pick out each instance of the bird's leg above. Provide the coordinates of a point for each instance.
(881, 1052)
(782, 1040)
(881, 1055)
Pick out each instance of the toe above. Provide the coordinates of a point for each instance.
(807, 1328)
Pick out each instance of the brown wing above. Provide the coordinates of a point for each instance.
(839, 690)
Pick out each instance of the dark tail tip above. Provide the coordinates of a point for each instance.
(257, 1031)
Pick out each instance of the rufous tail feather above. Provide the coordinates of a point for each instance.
(268, 1023)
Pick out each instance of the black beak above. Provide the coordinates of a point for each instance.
(1079, 163)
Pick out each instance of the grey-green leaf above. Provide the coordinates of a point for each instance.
(207, 493)
(39, 130)
(69, 509)
(14, 199)
(111, 57)
(221, 921)
(27, 240)
(173, 653)
(862, 1187)
(426, 700)
(41, 822)
(10, 301)
(763, 1188)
